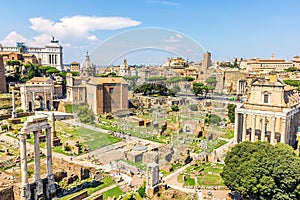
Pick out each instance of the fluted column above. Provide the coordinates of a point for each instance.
(244, 127)
(282, 131)
(263, 131)
(253, 128)
(37, 166)
(25, 191)
(272, 140)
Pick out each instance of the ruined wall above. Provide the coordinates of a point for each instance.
(7, 193)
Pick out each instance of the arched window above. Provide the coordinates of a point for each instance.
(266, 97)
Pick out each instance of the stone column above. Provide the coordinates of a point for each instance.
(25, 190)
(282, 131)
(253, 128)
(244, 127)
(37, 166)
(50, 187)
(236, 128)
(33, 101)
(13, 113)
(272, 140)
(263, 131)
(51, 100)
(45, 101)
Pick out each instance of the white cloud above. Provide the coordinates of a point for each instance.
(69, 30)
(92, 38)
(12, 38)
(80, 26)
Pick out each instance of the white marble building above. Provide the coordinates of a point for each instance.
(49, 55)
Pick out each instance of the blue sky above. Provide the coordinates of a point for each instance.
(228, 29)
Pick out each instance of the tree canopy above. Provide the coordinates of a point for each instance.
(199, 88)
(231, 112)
(262, 171)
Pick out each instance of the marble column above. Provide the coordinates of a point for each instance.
(236, 128)
(50, 187)
(263, 130)
(25, 190)
(33, 102)
(244, 127)
(37, 166)
(253, 128)
(272, 140)
(282, 131)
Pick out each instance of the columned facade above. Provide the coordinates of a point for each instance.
(271, 114)
(35, 125)
(263, 126)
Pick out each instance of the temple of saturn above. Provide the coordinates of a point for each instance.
(40, 189)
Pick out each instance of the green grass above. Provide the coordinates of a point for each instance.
(94, 140)
(214, 179)
(107, 181)
(114, 192)
(209, 175)
(139, 164)
(228, 135)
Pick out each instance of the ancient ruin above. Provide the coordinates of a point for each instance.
(36, 190)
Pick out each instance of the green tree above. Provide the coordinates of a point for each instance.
(157, 79)
(189, 78)
(262, 171)
(85, 114)
(175, 108)
(197, 88)
(174, 90)
(231, 112)
(132, 80)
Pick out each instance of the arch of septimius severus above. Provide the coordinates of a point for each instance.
(270, 114)
(37, 90)
(36, 124)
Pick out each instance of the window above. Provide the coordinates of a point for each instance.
(111, 90)
(266, 98)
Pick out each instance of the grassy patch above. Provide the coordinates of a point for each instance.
(107, 181)
(94, 139)
(139, 164)
(228, 135)
(114, 192)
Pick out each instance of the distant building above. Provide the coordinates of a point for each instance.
(102, 94)
(206, 62)
(87, 69)
(124, 69)
(2, 76)
(50, 55)
(75, 67)
(271, 113)
(107, 94)
(271, 64)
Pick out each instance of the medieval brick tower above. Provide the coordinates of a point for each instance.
(2, 76)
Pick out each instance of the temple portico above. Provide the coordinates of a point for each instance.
(36, 124)
(271, 114)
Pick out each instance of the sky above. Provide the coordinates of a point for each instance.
(187, 28)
